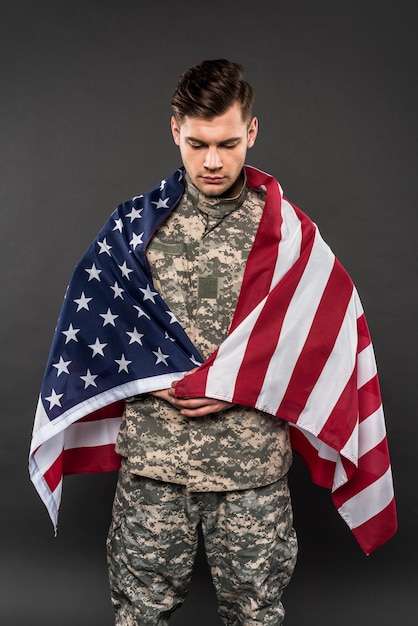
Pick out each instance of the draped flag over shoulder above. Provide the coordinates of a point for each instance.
(298, 347)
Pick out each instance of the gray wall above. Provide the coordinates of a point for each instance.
(84, 125)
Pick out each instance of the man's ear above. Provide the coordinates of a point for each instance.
(175, 130)
(252, 132)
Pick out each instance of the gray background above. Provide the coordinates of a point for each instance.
(84, 125)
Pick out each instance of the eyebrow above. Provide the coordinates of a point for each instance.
(221, 143)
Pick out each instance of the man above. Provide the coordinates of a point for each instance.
(202, 460)
(211, 313)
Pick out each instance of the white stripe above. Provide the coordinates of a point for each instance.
(324, 451)
(135, 387)
(90, 434)
(224, 371)
(333, 377)
(369, 502)
(367, 368)
(47, 454)
(290, 242)
(372, 431)
(296, 325)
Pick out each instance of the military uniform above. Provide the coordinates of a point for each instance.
(226, 470)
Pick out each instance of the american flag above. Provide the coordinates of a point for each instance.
(298, 347)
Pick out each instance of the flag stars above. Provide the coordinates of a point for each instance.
(135, 336)
(161, 358)
(94, 273)
(62, 366)
(161, 204)
(195, 361)
(97, 347)
(118, 291)
(123, 364)
(89, 379)
(173, 318)
(71, 333)
(149, 294)
(134, 214)
(108, 318)
(141, 312)
(82, 302)
(118, 225)
(54, 399)
(104, 247)
(163, 184)
(125, 270)
(136, 240)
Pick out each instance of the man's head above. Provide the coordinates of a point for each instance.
(213, 125)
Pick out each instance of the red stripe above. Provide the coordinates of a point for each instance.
(261, 261)
(111, 410)
(321, 470)
(343, 418)
(378, 529)
(371, 467)
(90, 460)
(264, 337)
(319, 343)
(53, 475)
(364, 339)
(370, 399)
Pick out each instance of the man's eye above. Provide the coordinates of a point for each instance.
(196, 146)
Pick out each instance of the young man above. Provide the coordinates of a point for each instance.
(211, 313)
(203, 460)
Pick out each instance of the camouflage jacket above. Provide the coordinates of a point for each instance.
(197, 259)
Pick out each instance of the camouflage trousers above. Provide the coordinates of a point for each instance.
(250, 546)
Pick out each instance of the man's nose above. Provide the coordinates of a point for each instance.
(213, 160)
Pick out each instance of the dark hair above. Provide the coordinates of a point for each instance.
(210, 88)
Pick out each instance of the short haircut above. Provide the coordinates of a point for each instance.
(210, 88)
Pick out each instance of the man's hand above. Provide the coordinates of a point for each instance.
(191, 407)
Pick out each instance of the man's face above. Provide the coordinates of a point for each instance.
(214, 151)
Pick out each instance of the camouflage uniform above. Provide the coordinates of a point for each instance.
(249, 541)
(197, 260)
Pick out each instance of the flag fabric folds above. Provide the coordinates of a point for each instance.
(298, 348)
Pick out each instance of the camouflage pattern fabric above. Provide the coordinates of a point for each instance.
(197, 259)
(250, 545)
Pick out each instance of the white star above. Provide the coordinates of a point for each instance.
(83, 302)
(194, 361)
(136, 240)
(134, 214)
(167, 336)
(149, 294)
(93, 272)
(161, 358)
(125, 270)
(123, 364)
(161, 204)
(54, 399)
(137, 197)
(108, 317)
(118, 225)
(62, 366)
(71, 333)
(104, 247)
(163, 184)
(89, 379)
(117, 291)
(141, 312)
(97, 347)
(173, 318)
(135, 336)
